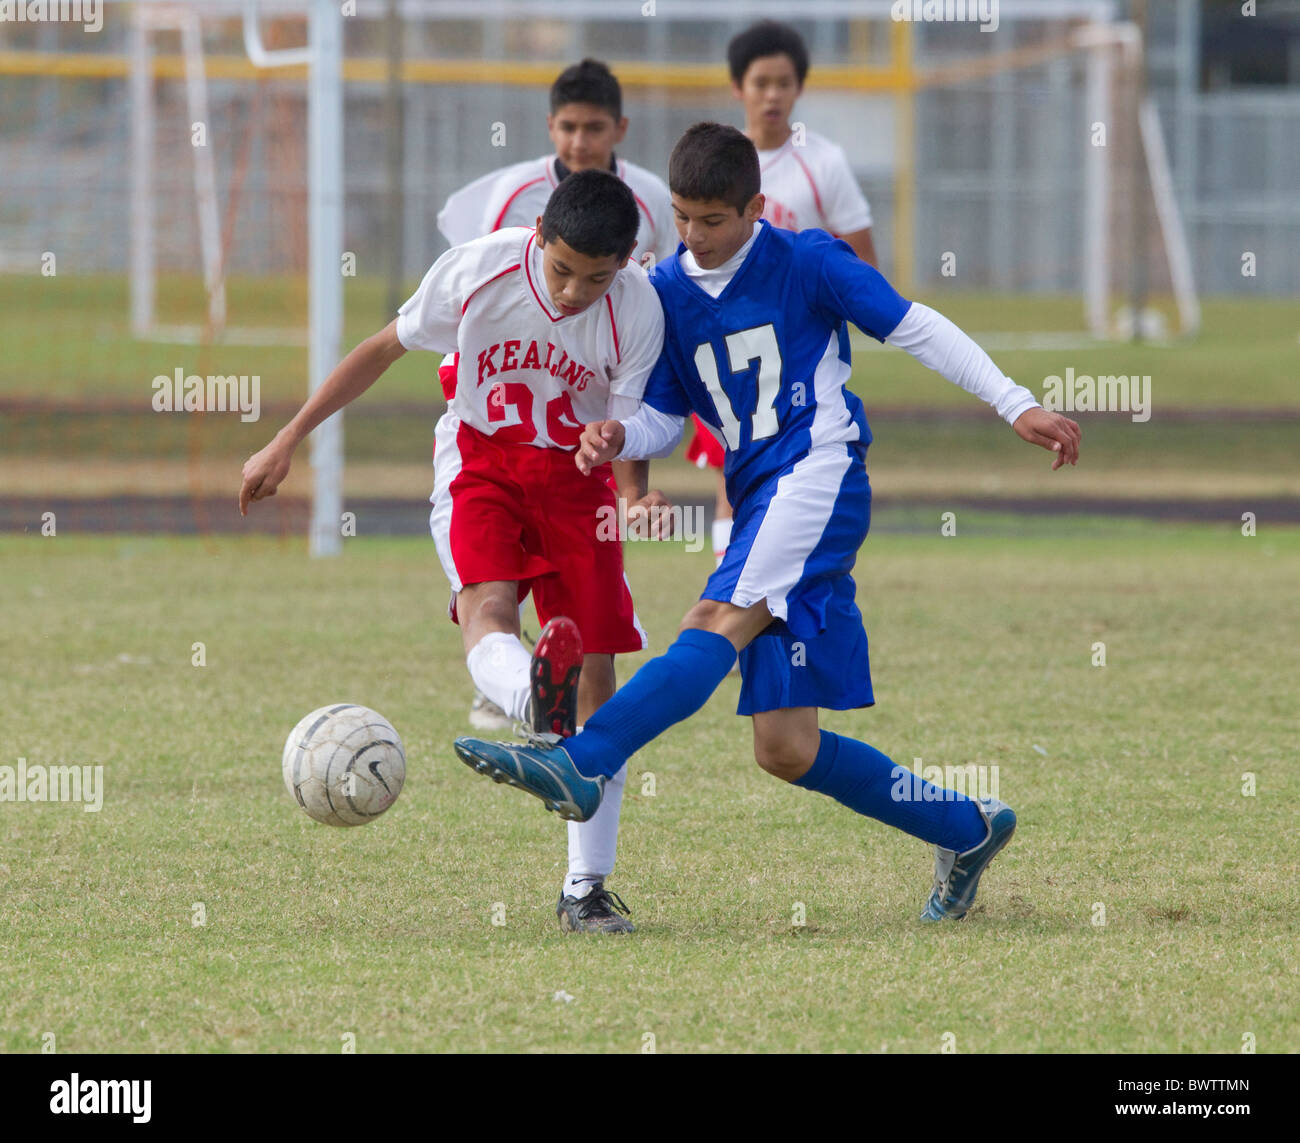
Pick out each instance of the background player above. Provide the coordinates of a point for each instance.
(586, 122)
(807, 181)
(550, 329)
(766, 365)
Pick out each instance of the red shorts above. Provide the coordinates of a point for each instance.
(705, 450)
(514, 512)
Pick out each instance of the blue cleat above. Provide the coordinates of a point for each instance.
(957, 875)
(540, 767)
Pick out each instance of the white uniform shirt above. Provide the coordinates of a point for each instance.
(517, 195)
(525, 372)
(812, 185)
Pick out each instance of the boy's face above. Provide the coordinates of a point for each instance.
(585, 135)
(575, 281)
(768, 90)
(713, 230)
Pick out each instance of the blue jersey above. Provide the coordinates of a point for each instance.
(766, 362)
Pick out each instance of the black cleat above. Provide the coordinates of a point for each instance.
(597, 912)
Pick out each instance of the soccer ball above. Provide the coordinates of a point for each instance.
(344, 764)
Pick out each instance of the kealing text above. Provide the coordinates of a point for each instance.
(195, 394)
(1084, 394)
(53, 784)
(77, 1096)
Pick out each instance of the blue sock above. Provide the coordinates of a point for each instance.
(663, 692)
(860, 777)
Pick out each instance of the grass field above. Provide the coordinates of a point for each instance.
(1128, 779)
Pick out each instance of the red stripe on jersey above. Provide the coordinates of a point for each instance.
(808, 174)
(650, 218)
(528, 273)
(514, 195)
(475, 290)
(618, 356)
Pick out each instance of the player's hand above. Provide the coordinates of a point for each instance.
(601, 442)
(264, 472)
(1051, 431)
(650, 516)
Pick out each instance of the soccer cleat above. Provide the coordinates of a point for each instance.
(957, 875)
(540, 767)
(484, 714)
(597, 912)
(556, 665)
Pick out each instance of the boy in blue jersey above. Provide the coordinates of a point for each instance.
(756, 343)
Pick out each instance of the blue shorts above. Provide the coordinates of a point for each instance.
(794, 542)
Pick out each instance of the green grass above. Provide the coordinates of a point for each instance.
(1127, 779)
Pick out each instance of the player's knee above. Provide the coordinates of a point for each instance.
(784, 758)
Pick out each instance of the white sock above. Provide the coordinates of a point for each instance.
(721, 538)
(498, 664)
(592, 844)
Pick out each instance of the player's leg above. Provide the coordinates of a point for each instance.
(591, 589)
(484, 714)
(585, 904)
(832, 671)
(499, 663)
(475, 523)
(788, 745)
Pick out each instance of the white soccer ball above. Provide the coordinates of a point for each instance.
(344, 764)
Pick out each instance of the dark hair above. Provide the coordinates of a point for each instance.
(594, 213)
(767, 38)
(588, 82)
(714, 161)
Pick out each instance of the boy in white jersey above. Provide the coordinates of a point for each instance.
(807, 181)
(586, 123)
(552, 329)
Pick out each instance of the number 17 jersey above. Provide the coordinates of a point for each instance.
(766, 362)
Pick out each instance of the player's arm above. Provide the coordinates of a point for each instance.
(265, 471)
(848, 213)
(862, 245)
(849, 288)
(428, 319)
(939, 344)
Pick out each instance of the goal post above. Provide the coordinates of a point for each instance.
(324, 59)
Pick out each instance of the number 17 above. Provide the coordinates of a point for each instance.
(743, 348)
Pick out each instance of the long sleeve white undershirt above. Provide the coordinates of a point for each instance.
(939, 345)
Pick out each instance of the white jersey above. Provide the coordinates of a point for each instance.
(812, 185)
(526, 373)
(517, 196)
